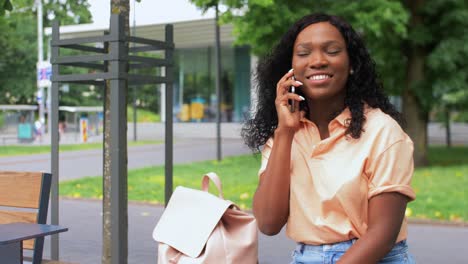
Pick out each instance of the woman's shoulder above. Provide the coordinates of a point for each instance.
(383, 125)
(377, 119)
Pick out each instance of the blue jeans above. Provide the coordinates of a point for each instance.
(330, 254)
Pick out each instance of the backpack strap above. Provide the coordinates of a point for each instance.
(215, 179)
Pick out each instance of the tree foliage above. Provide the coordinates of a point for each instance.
(18, 42)
(446, 38)
(5, 5)
(398, 35)
(384, 25)
(261, 23)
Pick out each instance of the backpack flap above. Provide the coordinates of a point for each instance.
(188, 220)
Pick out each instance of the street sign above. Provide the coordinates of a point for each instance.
(44, 73)
(39, 97)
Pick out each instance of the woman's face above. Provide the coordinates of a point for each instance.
(320, 61)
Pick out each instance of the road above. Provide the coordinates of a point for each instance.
(89, 162)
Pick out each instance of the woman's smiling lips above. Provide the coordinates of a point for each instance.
(319, 78)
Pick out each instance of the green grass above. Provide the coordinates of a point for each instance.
(16, 150)
(442, 156)
(440, 193)
(142, 115)
(440, 188)
(238, 175)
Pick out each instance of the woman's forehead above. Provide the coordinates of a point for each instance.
(318, 33)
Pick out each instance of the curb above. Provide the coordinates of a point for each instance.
(419, 221)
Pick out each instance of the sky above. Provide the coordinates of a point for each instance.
(150, 11)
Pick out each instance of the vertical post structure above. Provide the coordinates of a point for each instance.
(169, 93)
(115, 68)
(40, 59)
(218, 87)
(118, 84)
(54, 140)
(134, 90)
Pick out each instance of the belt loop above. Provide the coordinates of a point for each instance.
(300, 248)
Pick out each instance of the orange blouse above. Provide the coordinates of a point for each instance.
(332, 180)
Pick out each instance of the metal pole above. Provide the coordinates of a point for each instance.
(49, 94)
(218, 88)
(54, 116)
(169, 144)
(40, 58)
(118, 118)
(134, 88)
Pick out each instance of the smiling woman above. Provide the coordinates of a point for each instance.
(322, 64)
(338, 171)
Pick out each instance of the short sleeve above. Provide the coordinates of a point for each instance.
(266, 151)
(392, 170)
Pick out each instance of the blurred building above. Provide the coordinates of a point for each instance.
(195, 68)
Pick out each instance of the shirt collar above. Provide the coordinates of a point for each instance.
(344, 118)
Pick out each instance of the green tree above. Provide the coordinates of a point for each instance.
(18, 42)
(5, 5)
(419, 46)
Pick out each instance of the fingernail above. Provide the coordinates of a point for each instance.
(299, 82)
(302, 98)
(290, 70)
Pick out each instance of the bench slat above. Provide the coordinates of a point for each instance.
(7, 217)
(20, 189)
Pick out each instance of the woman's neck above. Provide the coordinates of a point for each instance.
(322, 112)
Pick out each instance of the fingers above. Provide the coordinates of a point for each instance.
(287, 76)
(283, 99)
(294, 97)
(285, 83)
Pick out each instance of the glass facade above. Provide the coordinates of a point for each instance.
(194, 84)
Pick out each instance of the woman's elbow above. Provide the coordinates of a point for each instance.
(269, 229)
(270, 226)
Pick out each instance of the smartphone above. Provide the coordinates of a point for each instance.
(292, 103)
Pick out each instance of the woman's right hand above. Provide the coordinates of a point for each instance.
(287, 119)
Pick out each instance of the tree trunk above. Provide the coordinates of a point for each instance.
(117, 7)
(415, 115)
(448, 134)
(416, 126)
(106, 181)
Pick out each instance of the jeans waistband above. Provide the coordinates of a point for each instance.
(340, 246)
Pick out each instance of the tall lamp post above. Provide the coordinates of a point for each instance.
(218, 85)
(40, 59)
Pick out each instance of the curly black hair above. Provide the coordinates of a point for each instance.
(362, 86)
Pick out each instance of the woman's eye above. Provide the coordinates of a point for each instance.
(300, 54)
(333, 52)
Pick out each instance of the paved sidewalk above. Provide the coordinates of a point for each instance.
(82, 243)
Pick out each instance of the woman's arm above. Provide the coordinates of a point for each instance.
(386, 213)
(271, 200)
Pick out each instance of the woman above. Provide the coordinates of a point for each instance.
(336, 165)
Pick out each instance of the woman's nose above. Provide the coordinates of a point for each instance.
(318, 60)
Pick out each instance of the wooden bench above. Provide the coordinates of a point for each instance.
(24, 197)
